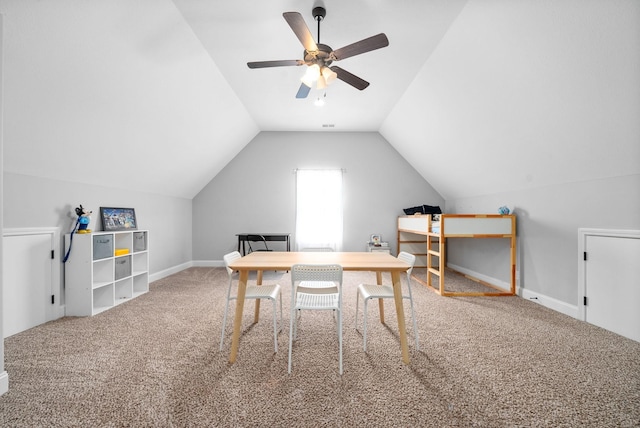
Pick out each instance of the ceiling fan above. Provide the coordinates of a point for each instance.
(318, 57)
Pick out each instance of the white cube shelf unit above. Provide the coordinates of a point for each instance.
(105, 269)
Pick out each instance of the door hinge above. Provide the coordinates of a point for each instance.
(584, 300)
(584, 256)
(53, 299)
(53, 254)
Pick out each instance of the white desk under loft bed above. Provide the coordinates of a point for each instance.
(419, 234)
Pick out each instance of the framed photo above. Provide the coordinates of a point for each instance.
(118, 219)
(375, 239)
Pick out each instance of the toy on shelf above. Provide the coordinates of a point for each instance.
(504, 210)
(81, 226)
(84, 218)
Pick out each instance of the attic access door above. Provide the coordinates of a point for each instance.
(610, 280)
(31, 278)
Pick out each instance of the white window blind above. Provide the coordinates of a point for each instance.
(319, 209)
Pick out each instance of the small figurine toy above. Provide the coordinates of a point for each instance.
(84, 218)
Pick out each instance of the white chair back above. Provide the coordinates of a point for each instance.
(323, 274)
(409, 259)
(229, 259)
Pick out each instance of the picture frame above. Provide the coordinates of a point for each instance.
(114, 219)
(375, 239)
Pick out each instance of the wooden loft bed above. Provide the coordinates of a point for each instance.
(419, 234)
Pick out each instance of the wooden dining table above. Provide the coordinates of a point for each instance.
(261, 261)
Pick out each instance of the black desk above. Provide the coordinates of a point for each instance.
(244, 237)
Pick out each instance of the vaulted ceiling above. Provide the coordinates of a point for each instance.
(480, 96)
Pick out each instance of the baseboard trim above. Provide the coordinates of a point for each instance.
(208, 263)
(60, 311)
(551, 303)
(4, 382)
(495, 282)
(170, 271)
(175, 269)
(541, 299)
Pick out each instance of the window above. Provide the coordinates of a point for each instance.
(319, 209)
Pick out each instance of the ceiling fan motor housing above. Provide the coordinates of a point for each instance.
(321, 57)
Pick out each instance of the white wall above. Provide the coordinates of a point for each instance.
(532, 103)
(38, 202)
(548, 219)
(256, 191)
(4, 378)
(525, 94)
(93, 86)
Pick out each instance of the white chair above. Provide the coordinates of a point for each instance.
(374, 291)
(270, 292)
(320, 284)
(315, 299)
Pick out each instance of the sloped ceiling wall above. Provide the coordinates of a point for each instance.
(236, 32)
(518, 94)
(115, 94)
(524, 94)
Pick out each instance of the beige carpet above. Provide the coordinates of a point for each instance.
(154, 362)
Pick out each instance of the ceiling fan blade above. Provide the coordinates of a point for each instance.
(297, 24)
(349, 78)
(303, 91)
(283, 63)
(366, 45)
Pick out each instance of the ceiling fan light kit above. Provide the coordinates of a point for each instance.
(323, 77)
(319, 57)
(311, 75)
(329, 75)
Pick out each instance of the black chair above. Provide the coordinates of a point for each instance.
(257, 238)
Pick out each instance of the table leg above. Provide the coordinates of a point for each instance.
(380, 301)
(397, 296)
(256, 315)
(237, 320)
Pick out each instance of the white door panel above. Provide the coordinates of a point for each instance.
(612, 281)
(27, 269)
